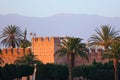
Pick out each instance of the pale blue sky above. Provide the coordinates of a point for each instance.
(42, 8)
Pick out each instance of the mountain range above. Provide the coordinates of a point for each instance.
(77, 25)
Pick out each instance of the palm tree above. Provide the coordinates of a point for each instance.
(104, 36)
(113, 53)
(70, 47)
(28, 59)
(11, 36)
(25, 43)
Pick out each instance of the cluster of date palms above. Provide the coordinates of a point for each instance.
(106, 36)
(109, 38)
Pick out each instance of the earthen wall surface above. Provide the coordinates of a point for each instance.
(9, 55)
(45, 48)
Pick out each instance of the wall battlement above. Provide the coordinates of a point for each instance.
(44, 48)
(93, 54)
(43, 39)
(95, 51)
(28, 50)
(15, 51)
(9, 55)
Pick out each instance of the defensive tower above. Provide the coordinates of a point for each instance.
(45, 48)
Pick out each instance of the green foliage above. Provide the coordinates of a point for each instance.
(11, 36)
(86, 71)
(109, 38)
(10, 72)
(71, 47)
(96, 71)
(52, 72)
(28, 59)
(26, 70)
(104, 36)
(44, 72)
(25, 44)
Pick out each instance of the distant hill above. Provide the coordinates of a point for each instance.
(78, 25)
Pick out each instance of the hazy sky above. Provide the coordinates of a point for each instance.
(42, 8)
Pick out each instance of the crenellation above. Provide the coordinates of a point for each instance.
(40, 39)
(36, 39)
(52, 38)
(9, 50)
(45, 47)
(15, 50)
(43, 39)
(22, 50)
(46, 39)
(95, 51)
(9, 55)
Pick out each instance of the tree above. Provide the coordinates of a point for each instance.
(11, 36)
(104, 36)
(113, 53)
(25, 43)
(70, 47)
(107, 37)
(28, 59)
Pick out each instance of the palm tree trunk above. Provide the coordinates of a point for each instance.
(69, 67)
(72, 60)
(13, 45)
(115, 63)
(72, 63)
(70, 74)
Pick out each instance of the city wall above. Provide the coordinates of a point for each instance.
(9, 55)
(45, 48)
(93, 54)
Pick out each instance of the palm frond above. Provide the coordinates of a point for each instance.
(113, 52)
(11, 35)
(104, 36)
(29, 59)
(70, 46)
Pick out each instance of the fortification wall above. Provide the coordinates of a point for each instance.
(45, 48)
(93, 54)
(9, 55)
